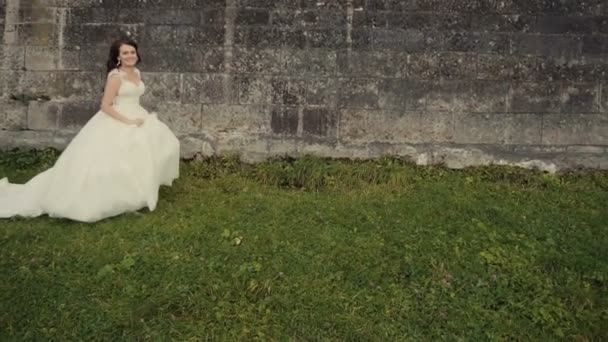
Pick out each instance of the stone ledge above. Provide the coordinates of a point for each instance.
(254, 148)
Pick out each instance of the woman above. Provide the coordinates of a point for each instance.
(116, 162)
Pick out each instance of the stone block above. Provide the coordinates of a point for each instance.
(282, 146)
(358, 93)
(320, 122)
(322, 91)
(402, 94)
(445, 96)
(511, 23)
(258, 37)
(161, 86)
(236, 118)
(264, 62)
(384, 5)
(284, 120)
(580, 98)
(530, 97)
(586, 149)
(194, 145)
(575, 129)
(208, 88)
(39, 83)
(567, 69)
(167, 16)
(213, 17)
(199, 35)
(172, 59)
(400, 40)
(180, 117)
(563, 25)
(51, 58)
(324, 18)
(84, 3)
(12, 57)
(179, 4)
(408, 40)
(444, 65)
(391, 93)
(37, 34)
(460, 7)
(94, 58)
(285, 18)
(573, 8)
(503, 68)
(432, 128)
(13, 115)
(509, 129)
(361, 39)
(372, 64)
(546, 45)
(353, 125)
(468, 97)
(477, 42)
(370, 19)
(288, 91)
(10, 83)
(453, 21)
(293, 38)
(33, 139)
(487, 97)
(338, 5)
(604, 98)
(601, 24)
(101, 34)
(34, 14)
(79, 86)
(309, 62)
(75, 114)
(252, 17)
(254, 89)
(247, 148)
(213, 60)
(57, 85)
(394, 126)
(513, 7)
(164, 35)
(284, 4)
(92, 15)
(421, 21)
(595, 45)
(43, 116)
(326, 38)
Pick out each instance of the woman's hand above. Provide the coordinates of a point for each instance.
(137, 122)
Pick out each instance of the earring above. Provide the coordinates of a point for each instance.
(118, 64)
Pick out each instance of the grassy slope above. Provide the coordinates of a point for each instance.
(312, 249)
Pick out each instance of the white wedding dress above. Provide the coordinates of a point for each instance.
(107, 169)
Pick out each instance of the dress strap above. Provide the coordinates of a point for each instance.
(115, 72)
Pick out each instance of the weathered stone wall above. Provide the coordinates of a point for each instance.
(462, 82)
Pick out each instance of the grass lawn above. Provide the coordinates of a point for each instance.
(311, 249)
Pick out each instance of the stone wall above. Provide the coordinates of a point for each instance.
(460, 82)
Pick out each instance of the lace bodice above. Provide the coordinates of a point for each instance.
(129, 92)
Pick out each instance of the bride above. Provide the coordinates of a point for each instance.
(116, 162)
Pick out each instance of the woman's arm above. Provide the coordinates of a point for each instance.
(110, 91)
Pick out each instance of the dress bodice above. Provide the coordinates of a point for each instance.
(129, 92)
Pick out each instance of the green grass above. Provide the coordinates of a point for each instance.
(311, 249)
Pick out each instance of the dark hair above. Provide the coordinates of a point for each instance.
(112, 62)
